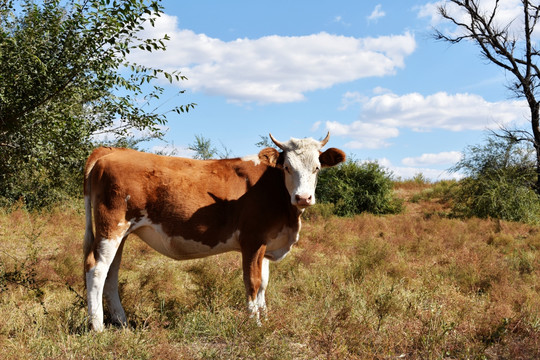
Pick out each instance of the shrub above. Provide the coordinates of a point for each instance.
(500, 182)
(499, 197)
(354, 188)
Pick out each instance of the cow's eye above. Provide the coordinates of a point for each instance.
(317, 169)
(287, 169)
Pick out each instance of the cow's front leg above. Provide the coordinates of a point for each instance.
(265, 274)
(255, 268)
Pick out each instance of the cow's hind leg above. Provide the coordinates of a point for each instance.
(252, 263)
(110, 290)
(98, 265)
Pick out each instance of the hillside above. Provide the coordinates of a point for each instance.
(408, 286)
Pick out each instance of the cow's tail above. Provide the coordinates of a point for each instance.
(89, 229)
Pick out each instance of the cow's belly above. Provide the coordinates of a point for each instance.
(179, 248)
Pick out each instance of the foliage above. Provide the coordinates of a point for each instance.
(203, 148)
(357, 187)
(65, 77)
(500, 178)
(497, 196)
(265, 142)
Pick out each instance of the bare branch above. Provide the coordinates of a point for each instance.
(112, 130)
(514, 135)
(515, 54)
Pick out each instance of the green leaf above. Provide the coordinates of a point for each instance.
(64, 77)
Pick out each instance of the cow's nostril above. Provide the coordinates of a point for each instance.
(304, 199)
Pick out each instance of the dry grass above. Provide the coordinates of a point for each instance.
(412, 286)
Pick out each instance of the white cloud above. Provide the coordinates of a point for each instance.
(442, 158)
(339, 19)
(376, 14)
(431, 10)
(273, 69)
(409, 172)
(365, 135)
(383, 115)
(509, 13)
(108, 134)
(380, 90)
(351, 98)
(173, 150)
(457, 112)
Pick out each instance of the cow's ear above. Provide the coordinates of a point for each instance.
(331, 157)
(270, 156)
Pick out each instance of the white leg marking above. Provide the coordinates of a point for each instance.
(260, 301)
(257, 307)
(110, 291)
(95, 280)
(253, 310)
(93, 293)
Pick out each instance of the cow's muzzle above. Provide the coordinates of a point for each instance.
(304, 200)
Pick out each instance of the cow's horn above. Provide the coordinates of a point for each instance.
(325, 140)
(278, 144)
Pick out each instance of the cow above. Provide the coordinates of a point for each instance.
(186, 209)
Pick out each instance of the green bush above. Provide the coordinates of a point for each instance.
(354, 188)
(497, 196)
(501, 176)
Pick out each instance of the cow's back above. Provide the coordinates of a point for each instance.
(149, 178)
(202, 200)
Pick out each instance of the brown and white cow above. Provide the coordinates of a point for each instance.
(187, 209)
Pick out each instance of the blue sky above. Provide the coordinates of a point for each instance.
(369, 72)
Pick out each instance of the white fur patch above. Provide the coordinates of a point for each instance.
(302, 162)
(254, 158)
(95, 280)
(253, 311)
(278, 247)
(177, 247)
(265, 275)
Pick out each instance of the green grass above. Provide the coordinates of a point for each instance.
(365, 287)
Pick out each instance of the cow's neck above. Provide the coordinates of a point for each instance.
(293, 212)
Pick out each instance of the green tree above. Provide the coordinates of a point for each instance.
(65, 76)
(265, 142)
(203, 148)
(500, 175)
(354, 188)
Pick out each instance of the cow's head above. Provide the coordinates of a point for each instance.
(301, 161)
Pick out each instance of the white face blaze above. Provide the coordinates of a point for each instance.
(301, 166)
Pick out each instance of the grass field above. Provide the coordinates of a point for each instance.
(417, 285)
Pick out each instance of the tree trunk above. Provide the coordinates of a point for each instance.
(535, 122)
